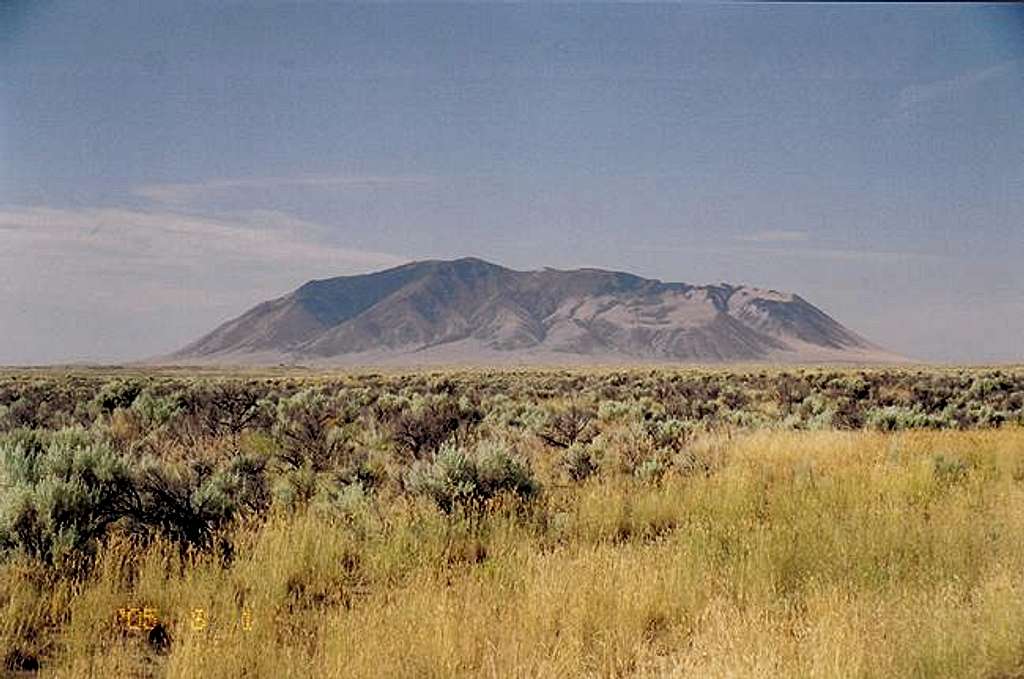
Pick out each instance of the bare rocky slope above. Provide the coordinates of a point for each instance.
(472, 311)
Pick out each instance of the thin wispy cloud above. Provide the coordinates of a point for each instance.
(265, 236)
(806, 253)
(915, 96)
(174, 248)
(167, 274)
(876, 256)
(188, 192)
(784, 236)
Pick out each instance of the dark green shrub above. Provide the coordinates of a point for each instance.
(670, 434)
(895, 418)
(188, 501)
(243, 483)
(790, 391)
(19, 414)
(308, 430)
(848, 414)
(226, 408)
(60, 496)
(981, 415)
(690, 399)
(117, 394)
(579, 463)
(426, 424)
(158, 412)
(570, 426)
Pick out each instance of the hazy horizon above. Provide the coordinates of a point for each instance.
(164, 169)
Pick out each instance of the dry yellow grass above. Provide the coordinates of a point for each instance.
(804, 554)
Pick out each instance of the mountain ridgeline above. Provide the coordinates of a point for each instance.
(472, 311)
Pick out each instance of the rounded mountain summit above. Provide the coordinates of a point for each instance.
(472, 311)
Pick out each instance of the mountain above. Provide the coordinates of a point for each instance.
(469, 310)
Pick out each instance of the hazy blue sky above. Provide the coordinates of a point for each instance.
(165, 165)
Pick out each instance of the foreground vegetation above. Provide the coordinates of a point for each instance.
(536, 523)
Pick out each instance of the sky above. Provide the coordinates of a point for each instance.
(165, 166)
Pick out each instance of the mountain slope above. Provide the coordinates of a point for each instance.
(469, 310)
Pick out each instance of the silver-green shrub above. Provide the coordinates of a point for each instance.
(456, 477)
